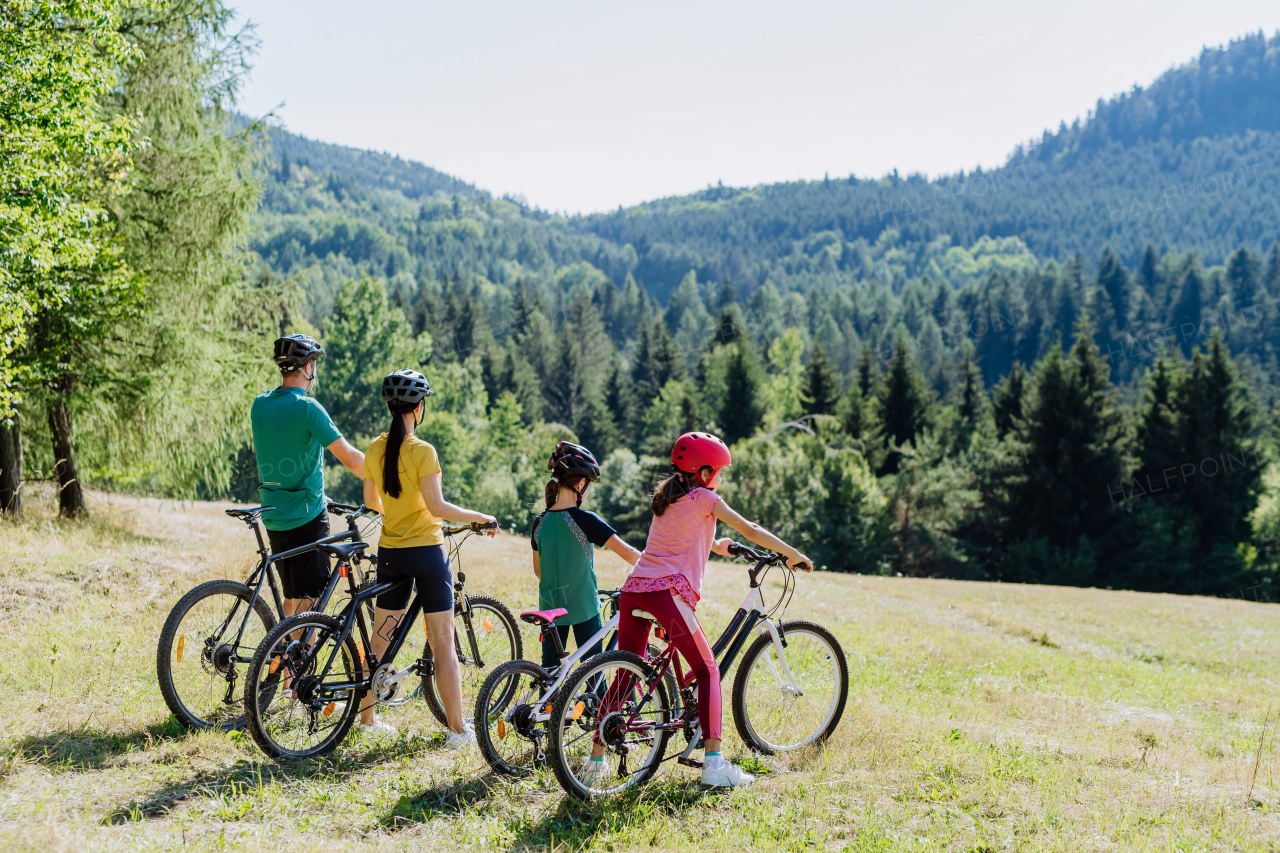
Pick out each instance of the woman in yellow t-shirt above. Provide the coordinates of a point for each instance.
(402, 481)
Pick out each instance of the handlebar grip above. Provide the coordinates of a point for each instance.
(738, 550)
(803, 567)
(488, 525)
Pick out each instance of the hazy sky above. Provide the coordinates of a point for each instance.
(582, 107)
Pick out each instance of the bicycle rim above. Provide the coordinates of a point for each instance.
(497, 640)
(778, 715)
(511, 740)
(317, 719)
(607, 698)
(203, 661)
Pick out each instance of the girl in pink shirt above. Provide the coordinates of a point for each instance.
(667, 582)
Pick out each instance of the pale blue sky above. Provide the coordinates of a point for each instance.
(581, 107)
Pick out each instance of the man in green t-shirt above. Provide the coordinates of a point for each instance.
(290, 434)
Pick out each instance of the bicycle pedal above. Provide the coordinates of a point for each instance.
(689, 762)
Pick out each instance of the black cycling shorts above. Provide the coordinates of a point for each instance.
(428, 565)
(305, 575)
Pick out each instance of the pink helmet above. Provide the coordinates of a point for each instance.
(697, 450)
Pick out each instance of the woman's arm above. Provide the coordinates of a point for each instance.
(441, 508)
(537, 565)
(371, 497)
(756, 534)
(622, 549)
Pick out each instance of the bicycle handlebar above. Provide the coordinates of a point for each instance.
(474, 527)
(349, 511)
(764, 558)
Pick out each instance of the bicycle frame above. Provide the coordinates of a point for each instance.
(566, 666)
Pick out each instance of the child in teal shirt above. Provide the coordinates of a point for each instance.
(563, 559)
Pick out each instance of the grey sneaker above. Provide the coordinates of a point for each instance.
(465, 740)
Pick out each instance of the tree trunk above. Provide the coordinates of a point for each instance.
(70, 495)
(11, 468)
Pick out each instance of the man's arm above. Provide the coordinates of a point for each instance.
(351, 459)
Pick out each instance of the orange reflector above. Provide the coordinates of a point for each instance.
(548, 709)
(502, 728)
(424, 626)
(328, 709)
(342, 570)
(275, 664)
(488, 626)
(182, 644)
(578, 709)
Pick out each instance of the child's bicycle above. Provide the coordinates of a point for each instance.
(213, 630)
(789, 693)
(514, 703)
(319, 656)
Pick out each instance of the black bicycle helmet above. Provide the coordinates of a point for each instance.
(405, 386)
(574, 460)
(294, 351)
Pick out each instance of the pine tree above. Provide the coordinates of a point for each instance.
(1073, 446)
(1114, 302)
(1272, 279)
(564, 389)
(1244, 274)
(1148, 282)
(868, 375)
(1007, 400)
(595, 426)
(743, 410)
(1189, 307)
(730, 326)
(904, 403)
(658, 360)
(973, 398)
(619, 400)
(1157, 437)
(820, 392)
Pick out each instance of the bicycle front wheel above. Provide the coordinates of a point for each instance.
(607, 700)
(497, 640)
(303, 688)
(509, 735)
(786, 698)
(202, 653)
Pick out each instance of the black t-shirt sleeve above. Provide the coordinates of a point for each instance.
(597, 530)
(533, 531)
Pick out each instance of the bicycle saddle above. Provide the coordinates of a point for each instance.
(644, 614)
(542, 617)
(343, 551)
(247, 514)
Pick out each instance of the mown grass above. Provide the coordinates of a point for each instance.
(981, 717)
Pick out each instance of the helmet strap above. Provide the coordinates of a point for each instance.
(582, 490)
(311, 380)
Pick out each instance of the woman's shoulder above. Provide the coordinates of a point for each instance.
(377, 443)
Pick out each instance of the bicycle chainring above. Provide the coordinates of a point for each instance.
(384, 689)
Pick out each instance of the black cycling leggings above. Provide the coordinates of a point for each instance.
(428, 565)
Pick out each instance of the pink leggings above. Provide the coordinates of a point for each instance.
(686, 635)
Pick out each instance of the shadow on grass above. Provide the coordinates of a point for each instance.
(89, 749)
(572, 823)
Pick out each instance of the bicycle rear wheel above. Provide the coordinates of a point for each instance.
(509, 737)
(775, 714)
(497, 640)
(607, 698)
(198, 657)
(315, 713)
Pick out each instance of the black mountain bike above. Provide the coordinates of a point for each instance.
(789, 692)
(322, 656)
(213, 630)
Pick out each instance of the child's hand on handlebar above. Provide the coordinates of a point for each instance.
(491, 531)
(799, 562)
(721, 547)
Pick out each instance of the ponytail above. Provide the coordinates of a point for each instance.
(551, 493)
(391, 458)
(672, 489)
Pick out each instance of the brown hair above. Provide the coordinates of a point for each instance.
(551, 493)
(672, 489)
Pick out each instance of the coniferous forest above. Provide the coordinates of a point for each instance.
(1060, 371)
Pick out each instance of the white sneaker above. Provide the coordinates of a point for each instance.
(722, 774)
(379, 728)
(594, 774)
(465, 740)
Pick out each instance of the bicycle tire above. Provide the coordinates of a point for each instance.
(753, 734)
(566, 700)
(171, 636)
(494, 698)
(253, 695)
(473, 677)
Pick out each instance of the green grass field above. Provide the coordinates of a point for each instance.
(981, 717)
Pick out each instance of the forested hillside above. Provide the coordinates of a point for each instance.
(1062, 370)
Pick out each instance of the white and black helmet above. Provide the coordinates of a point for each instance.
(405, 386)
(294, 351)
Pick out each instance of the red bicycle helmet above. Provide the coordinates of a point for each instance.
(697, 450)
